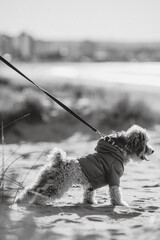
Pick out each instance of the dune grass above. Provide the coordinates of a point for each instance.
(104, 109)
(88, 103)
(25, 227)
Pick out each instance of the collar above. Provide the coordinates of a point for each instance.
(112, 142)
(122, 151)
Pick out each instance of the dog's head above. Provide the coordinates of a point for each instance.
(137, 143)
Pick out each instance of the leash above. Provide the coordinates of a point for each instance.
(52, 97)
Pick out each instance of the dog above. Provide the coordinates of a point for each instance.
(104, 167)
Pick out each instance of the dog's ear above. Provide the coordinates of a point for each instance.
(136, 142)
(141, 143)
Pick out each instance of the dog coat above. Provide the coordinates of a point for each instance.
(105, 166)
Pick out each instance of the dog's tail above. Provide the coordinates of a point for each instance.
(56, 156)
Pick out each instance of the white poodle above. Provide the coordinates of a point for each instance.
(104, 167)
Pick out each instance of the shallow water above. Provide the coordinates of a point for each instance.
(144, 73)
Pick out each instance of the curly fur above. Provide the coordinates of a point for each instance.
(61, 172)
(115, 195)
(54, 179)
(133, 143)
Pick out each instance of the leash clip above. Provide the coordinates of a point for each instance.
(102, 135)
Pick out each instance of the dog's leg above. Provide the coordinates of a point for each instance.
(46, 191)
(89, 196)
(116, 197)
(28, 195)
(51, 183)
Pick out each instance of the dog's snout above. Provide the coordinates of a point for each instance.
(149, 150)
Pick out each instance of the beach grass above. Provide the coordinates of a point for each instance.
(29, 116)
(104, 109)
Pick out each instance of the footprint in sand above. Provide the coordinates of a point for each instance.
(115, 232)
(152, 186)
(95, 218)
(150, 209)
(139, 209)
(137, 226)
(139, 200)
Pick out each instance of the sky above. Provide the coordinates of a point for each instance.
(104, 20)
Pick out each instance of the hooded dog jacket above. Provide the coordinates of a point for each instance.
(105, 166)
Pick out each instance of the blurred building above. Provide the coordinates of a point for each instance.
(22, 47)
(5, 44)
(57, 50)
(26, 48)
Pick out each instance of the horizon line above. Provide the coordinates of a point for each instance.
(83, 39)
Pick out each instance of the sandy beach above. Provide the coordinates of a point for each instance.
(68, 218)
(70, 73)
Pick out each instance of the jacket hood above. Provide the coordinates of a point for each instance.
(106, 147)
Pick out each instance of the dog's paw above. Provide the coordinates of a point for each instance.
(89, 201)
(123, 203)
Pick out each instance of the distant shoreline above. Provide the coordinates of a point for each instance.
(145, 74)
